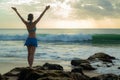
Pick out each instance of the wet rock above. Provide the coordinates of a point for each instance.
(119, 77)
(94, 78)
(29, 74)
(17, 69)
(78, 62)
(106, 77)
(108, 65)
(87, 66)
(38, 68)
(56, 72)
(3, 77)
(98, 65)
(78, 70)
(101, 56)
(78, 76)
(53, 78)
(0, 77)
(118, 67)
(14, 72)
(84, 64)
(48, 66)
(47, 72)
(34, 76)
(24, 74)
(38, 73)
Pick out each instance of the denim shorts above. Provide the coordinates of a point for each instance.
(31, 42)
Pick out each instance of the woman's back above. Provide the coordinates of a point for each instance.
(31, 27)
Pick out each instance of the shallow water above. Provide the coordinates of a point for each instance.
(15, 51)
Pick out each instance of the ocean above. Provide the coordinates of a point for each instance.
(62, 44)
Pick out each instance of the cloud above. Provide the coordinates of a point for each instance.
(96, 8)
(106, 4)
(21, 2)
(71, 9)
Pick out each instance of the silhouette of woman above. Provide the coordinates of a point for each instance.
(31, 41)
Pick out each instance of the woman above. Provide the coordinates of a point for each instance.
(31, 41)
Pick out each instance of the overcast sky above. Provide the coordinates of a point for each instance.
(63, 13)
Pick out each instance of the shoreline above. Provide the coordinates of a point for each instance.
(7, 66)
(75, 69)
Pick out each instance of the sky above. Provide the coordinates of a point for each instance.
(62, 13)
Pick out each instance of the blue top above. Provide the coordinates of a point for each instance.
(32, 30)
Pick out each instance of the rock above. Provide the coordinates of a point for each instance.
(46, 74)
(0, 77)
(119, 77)
(30, 74)
(87, 66)
(3, 77)
(14, 72)
(78, 70)
(78, 62)
(98, 65)
(17, 69)
(101, 56)
(38, 68)
(94, 78)
(55, 72)
(24, 74)
(105, 77)
(35, 75)
(118, 67)
(84, 64)
(53, 78)
(78, 76)
(108, 65)
(48, 66)
(43, 73)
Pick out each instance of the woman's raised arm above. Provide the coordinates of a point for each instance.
(38, 19)
(19, 15)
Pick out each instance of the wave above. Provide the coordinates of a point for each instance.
(94, 38)
(106, 38)
(65, 38)
(12, 37)
(51, 37)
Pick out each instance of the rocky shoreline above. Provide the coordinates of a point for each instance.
(56, 72)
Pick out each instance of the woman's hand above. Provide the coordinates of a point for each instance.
(47, 7)
(14, 8)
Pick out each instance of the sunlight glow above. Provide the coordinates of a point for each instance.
(20, 2)
(61, 9)
(62, 13)
(75, 24)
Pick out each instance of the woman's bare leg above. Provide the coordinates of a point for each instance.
(31, 52)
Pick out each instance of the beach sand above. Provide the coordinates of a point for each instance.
(7, 66)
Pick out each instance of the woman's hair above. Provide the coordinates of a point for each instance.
(30, 17)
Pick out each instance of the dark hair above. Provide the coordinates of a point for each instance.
(30, 17)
